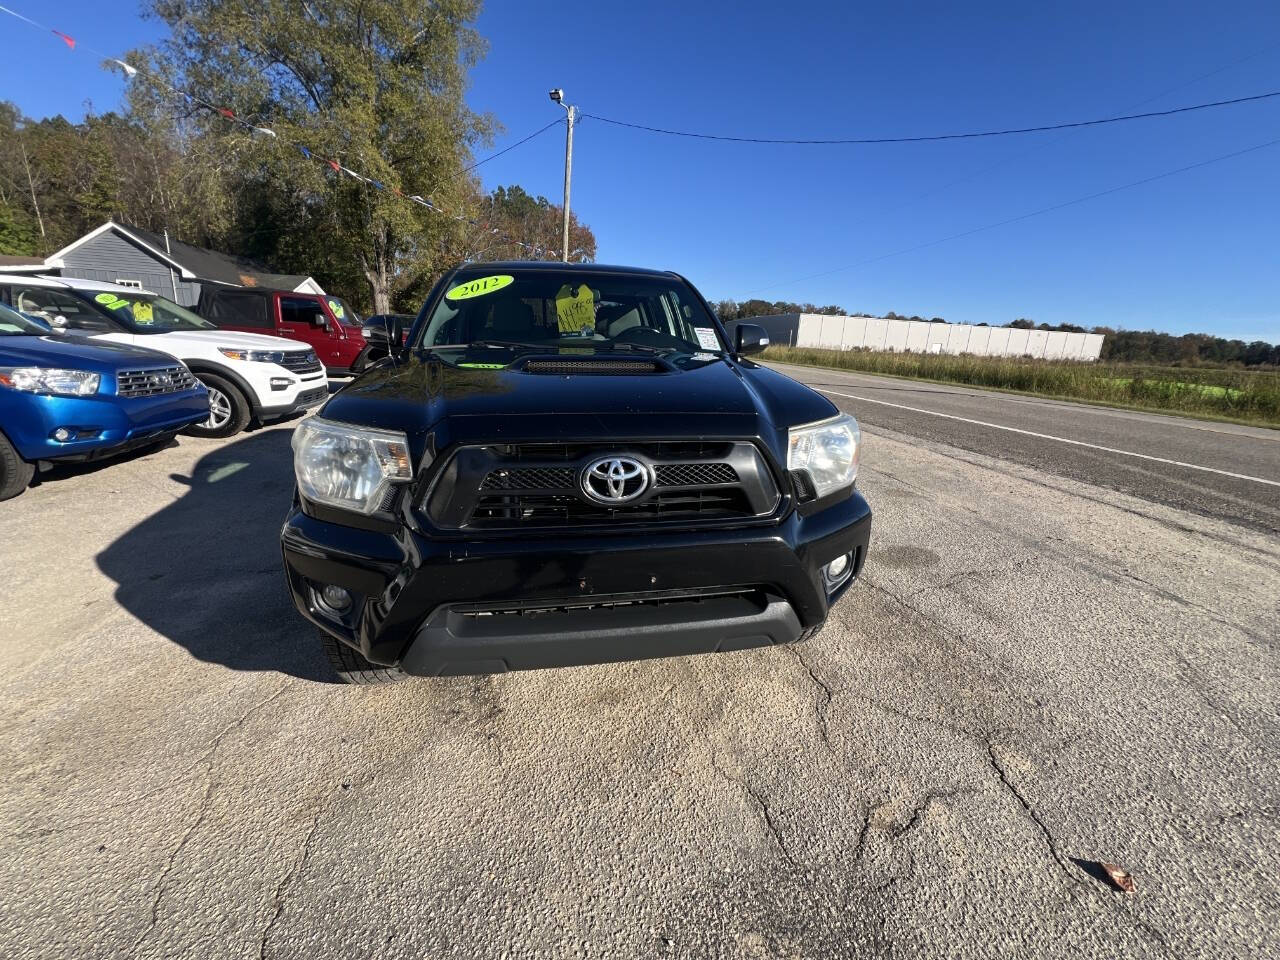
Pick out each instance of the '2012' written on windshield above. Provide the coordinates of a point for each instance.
(478, 287)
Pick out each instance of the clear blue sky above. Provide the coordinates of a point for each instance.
(1198, 251)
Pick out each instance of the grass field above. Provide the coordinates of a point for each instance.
(1245, 396)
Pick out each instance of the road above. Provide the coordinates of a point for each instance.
(1057, 656)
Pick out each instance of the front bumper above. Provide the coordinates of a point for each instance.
(102, 425)
(489, 605)
(312, 394)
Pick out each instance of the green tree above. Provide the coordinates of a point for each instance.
(376, 85)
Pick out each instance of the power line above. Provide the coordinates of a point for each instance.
(466, 170)
(1033, 213)
(941, 136)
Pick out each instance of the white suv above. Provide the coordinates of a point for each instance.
(248, 375)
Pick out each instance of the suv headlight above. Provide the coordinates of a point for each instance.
(348, 466)
(253, 356)
(50, 381)
(827, 452)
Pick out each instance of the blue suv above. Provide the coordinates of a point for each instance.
(71, 399)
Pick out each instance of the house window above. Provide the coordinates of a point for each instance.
(136, 284)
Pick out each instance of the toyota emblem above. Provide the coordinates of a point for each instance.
(614, 480)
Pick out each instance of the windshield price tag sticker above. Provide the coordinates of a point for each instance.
(478, 288)
(707, 338)
(576, 312)
(336, 307)
(111, 301)
(142, 312)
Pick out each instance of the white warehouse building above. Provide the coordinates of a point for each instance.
(918, 336)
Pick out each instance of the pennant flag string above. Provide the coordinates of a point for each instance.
(132, 72)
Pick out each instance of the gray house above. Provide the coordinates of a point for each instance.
(119, 253)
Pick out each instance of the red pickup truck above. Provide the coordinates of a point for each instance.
(325, 322)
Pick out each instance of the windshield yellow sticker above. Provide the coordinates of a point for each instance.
(336, 307)
(111, 301)
(142, 312)
(576, 311)
(478, 288)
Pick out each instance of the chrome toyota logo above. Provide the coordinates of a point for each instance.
(159, 380)
(614, 480)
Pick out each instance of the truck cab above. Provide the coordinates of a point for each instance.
(325, 322)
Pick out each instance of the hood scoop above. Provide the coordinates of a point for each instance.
(595, 366)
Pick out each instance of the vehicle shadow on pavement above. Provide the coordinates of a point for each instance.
(205, 570)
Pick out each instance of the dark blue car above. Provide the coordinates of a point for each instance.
(72, 399)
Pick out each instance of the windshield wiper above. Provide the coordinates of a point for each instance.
(518, 344)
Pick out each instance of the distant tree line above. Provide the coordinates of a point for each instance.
(1127, 346)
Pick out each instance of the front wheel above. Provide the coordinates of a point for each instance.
(15, 473)
(351, 667)
(229, 410)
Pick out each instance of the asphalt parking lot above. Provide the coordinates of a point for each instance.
(1056, 657)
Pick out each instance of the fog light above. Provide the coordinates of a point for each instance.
(62, 434)
(335, 597)
(837, 571)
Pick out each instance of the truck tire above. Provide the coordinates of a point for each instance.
(229, 409)
(15, 473)
(351, 667)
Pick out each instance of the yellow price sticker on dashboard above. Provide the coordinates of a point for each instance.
(576, 312)
(142, 312)
(479, 287)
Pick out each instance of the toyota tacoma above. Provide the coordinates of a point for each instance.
(568, 464)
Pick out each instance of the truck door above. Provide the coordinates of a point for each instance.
(304, 318)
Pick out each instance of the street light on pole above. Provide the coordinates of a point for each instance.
(557, 95)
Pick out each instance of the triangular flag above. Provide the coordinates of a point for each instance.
(226, 113)
(305, 152)
(334, 163)
(69, 41)
(130, 70)
(377, 184)
(269, 132)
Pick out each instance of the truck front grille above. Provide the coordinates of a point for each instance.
(514, 486)
(154, 382)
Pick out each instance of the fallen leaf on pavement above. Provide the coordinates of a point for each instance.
(1119, 876)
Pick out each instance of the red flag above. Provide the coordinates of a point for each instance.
(334, 164)
(226, 113)
(69, 41)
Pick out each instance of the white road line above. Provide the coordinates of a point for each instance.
(1046, 436)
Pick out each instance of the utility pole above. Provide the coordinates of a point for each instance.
(557, 96)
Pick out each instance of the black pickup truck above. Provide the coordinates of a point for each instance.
(568, 464)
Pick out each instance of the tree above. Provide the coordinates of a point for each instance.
(376, 85)
(1022, 323)
(534, 220)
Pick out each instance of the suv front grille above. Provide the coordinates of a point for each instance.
(515, 486)
(301, 361)
(154, 382)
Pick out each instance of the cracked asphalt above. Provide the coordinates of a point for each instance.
(1049, 663)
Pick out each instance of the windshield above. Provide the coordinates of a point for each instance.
(15, 324)
(147, 313)
(600, 312)
(345, 315)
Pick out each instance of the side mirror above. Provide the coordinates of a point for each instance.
(385, 339)
(749, 339)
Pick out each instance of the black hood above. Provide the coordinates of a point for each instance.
(709, 398)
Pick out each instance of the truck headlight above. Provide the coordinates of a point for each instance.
(827, 452)
(50, 381)
(349, 467)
